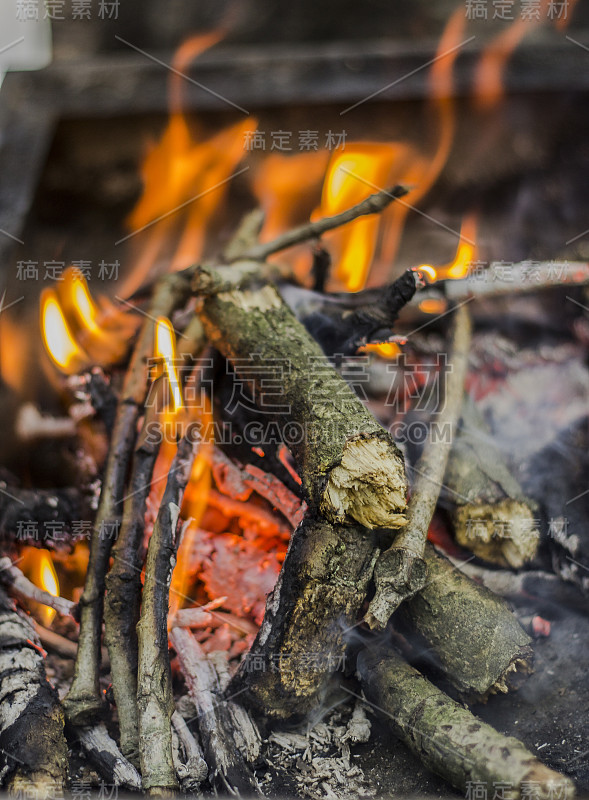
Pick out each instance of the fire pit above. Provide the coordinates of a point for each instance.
(293, 491)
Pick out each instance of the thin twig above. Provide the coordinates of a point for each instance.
(20, 587)
(374, 204)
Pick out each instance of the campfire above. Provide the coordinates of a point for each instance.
(302, 500)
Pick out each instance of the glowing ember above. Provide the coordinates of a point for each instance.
(433, 305)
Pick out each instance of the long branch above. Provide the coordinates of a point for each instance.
(123, 595)
(84, 701)
(155, 701)
(400, 571)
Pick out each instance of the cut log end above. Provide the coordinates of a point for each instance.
(368, 486)
(500, 533)
(514, 674)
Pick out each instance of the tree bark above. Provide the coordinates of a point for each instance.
(447, 737)
(469, 632)
(351, 469)
(309, 614)
(155, 701)
(33, 750)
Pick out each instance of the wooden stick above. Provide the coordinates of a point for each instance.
(83, 701)
(447, 737)
(315, 603)
(350, 467)
(491, 515)
(228, 770)
(344, 323)
(467, 631)
(192, 769)
(123, 596)
(400, 571)
(246, 235)
(104, 754)
(20, 587)
(374, 204)
(154, 682)
(499, 279)
(66, 648)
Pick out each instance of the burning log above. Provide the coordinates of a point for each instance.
(228, 770)
(447, 737)
(154, 682)
(84, 700)
(469, 632)
(302, 640)
(350, 467)
(490, 514)
(123, 597)
(32, 744)
(104, 754)
(342, 325)
(400, 571)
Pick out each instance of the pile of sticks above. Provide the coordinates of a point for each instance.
(358, 553)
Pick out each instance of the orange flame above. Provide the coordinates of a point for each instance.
(37, 565)
(423, 171)
(165, 349)
(193, 508)
(285, 187)
(76, 332)
(489, 82)
(465, 254)
(351, 176)
(388, 350)
(364, 168)
(489, 79)
(185, 181)
(57, 337)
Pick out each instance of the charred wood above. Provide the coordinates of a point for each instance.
(33, 750)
